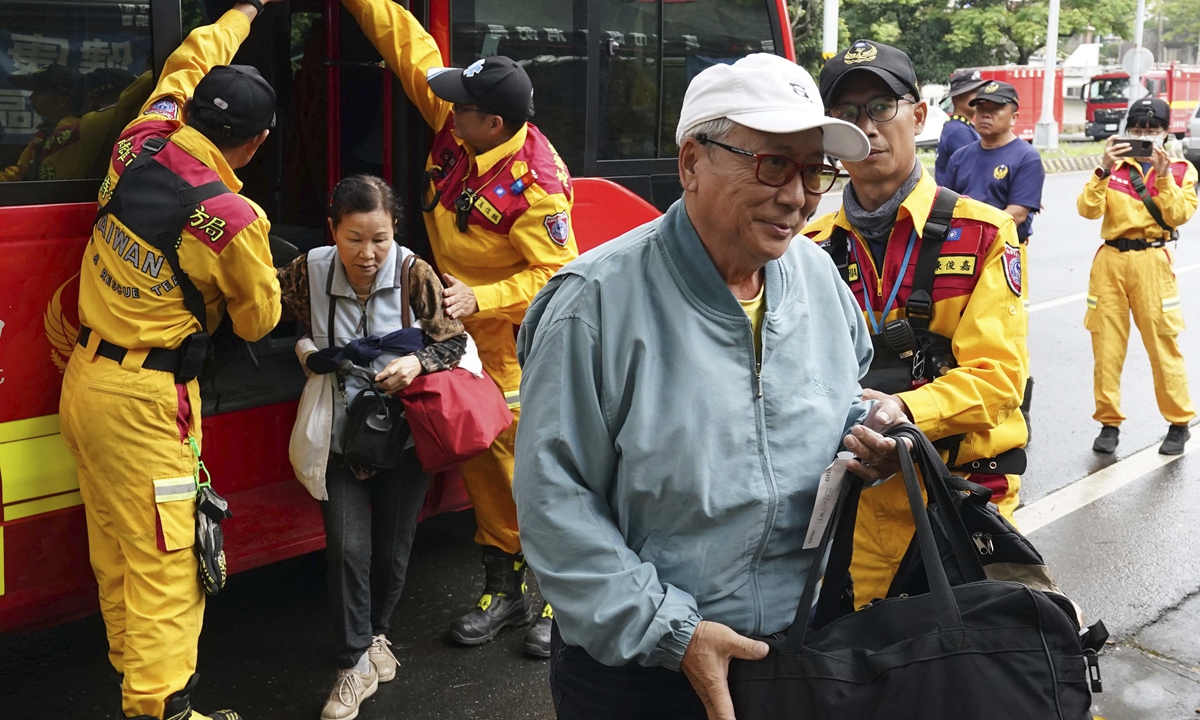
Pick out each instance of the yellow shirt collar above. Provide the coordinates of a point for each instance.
(918, 204)
(201, 148)
(486, 161)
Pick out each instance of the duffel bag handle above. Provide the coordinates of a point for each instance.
(945, 606)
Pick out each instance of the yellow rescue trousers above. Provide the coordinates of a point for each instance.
(136, 479)
(488, 477)
(1141, 282)
(884, 528)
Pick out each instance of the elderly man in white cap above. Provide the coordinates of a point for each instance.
(685, 386)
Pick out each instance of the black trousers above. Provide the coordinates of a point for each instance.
(584, 689)
(369, 527)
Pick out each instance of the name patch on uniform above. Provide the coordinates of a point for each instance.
(1012, 268)
(558, 227)
(165, 107)
(955, 265)
(488, 210)
(852, 272)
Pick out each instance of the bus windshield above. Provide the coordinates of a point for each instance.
(1109, 90)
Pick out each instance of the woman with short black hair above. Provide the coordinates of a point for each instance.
(342, 293)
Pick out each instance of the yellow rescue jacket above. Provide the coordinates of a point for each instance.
(127, 293)
(977, 304)
(519, 231)
(1124, 213)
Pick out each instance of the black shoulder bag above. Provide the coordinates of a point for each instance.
(947, 654)
(376, 430)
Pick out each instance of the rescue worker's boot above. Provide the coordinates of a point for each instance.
(1177, 437)
(1106, 441)
(179, 706)
(537, 638)
(504, 601)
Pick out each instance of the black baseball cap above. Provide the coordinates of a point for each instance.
(1150, 109)
(997, 92)
(964, 81)
(889, 64)
(496, 84)
(52, 78)
(236, 99)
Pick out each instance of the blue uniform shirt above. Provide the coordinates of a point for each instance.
(956, 133)
(1003, 176)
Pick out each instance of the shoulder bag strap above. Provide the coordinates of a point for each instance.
(150, 148)
(403, 270)
(168, 244)
(1135, 179)
(919, 307)
(839, 251)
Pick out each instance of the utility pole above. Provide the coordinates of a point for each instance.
(1045, 133)
(1135, 73)
(829, 38)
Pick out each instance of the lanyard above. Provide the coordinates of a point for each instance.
(877, 326)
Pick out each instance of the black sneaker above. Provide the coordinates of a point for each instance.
(1106, 441)
(504, 602)
(1177, 437)
(537, 639)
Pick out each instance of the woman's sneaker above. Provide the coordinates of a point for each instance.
(381, 656)
(348, 693)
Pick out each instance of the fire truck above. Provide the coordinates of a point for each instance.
(1028, 81)
(609, 78)
(1107, 97)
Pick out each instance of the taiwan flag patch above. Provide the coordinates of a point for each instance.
(1012, 268)
(559, 228)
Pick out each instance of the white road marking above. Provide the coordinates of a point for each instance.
(1088, 490)
(1047, 304)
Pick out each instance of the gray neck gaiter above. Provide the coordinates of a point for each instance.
(876, 226)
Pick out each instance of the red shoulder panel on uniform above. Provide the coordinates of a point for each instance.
(540, 155)
(217, 220)
(129, 144)
(1179, 170)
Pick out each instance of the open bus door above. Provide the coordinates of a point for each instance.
(609, 77)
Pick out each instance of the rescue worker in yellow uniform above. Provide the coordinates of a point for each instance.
(498, 212)
(173, 248)
(1143, 201)
(938, 277)
(67, 146)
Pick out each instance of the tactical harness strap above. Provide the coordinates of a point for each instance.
(155, 204)
(1139, 185)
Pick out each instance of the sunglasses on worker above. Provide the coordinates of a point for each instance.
(778, 170)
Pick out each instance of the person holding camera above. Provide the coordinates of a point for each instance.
(1143, 197)
(351, 297)
(938, 279)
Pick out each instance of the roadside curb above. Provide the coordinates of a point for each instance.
(1070, 164)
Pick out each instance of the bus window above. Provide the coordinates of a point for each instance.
(72, 75)
(630, 67)
(547, 37)
(699, 34)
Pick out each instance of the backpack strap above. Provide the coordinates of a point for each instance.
(402, 272)
(919, 307)
(838, 248)
(1139, 185)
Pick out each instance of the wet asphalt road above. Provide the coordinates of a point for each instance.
(1128, 558)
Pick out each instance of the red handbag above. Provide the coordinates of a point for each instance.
(453, 416)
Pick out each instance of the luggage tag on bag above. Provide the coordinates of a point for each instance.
(827, 495)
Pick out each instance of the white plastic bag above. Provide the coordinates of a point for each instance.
(308, 448)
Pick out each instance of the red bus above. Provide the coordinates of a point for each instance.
(1107, 98)
(609, 77)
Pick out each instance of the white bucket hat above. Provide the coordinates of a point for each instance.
(768, 93)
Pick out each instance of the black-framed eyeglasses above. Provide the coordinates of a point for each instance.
(880, 109)
(778, 170)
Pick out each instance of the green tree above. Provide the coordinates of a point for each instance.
(1009, 31)
(1183, 20)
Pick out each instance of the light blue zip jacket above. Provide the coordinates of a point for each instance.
(661, 478)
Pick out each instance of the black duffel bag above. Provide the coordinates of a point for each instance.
(984, 650)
